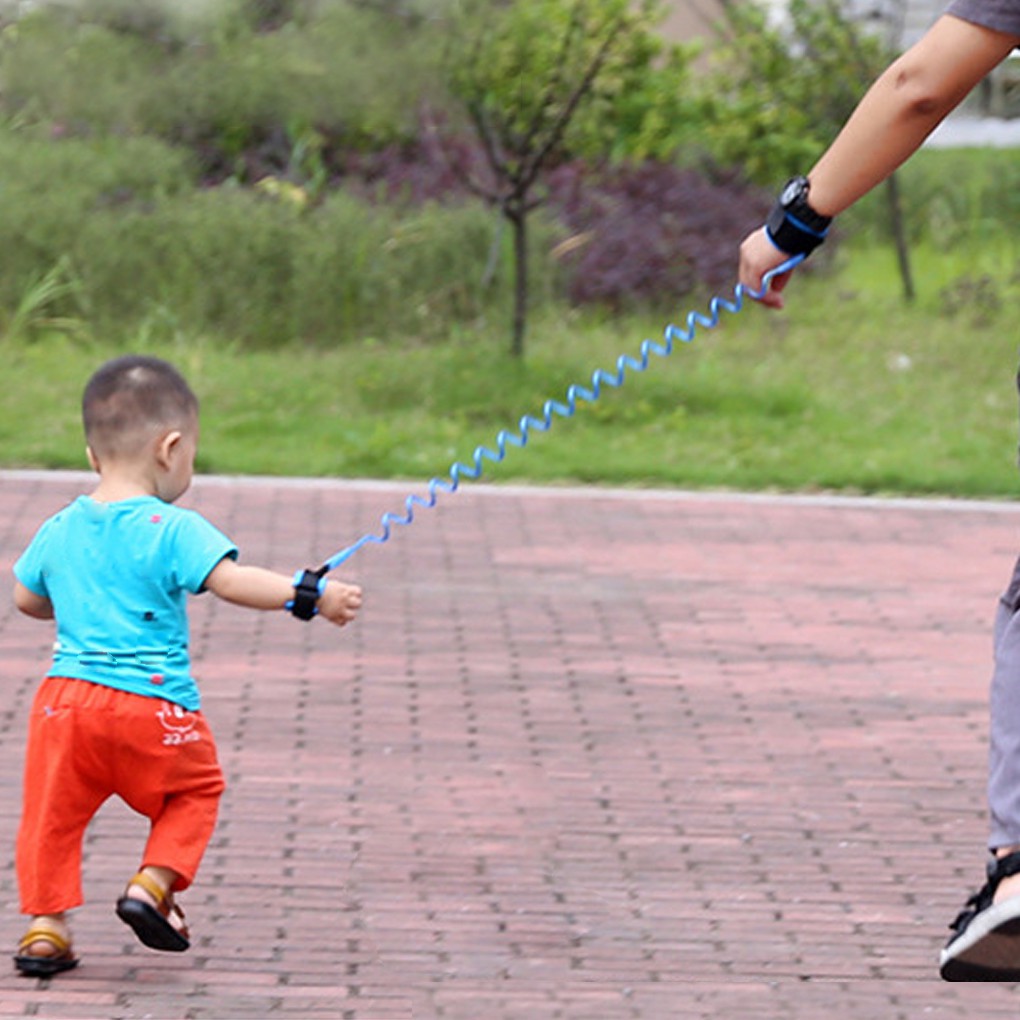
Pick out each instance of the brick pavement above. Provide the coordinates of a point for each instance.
(585, 755)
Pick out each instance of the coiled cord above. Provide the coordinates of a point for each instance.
(563, 409)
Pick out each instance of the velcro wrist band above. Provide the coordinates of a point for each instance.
(791, 235)
(308, 587)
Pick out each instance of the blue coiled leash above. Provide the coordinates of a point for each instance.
(309, 584)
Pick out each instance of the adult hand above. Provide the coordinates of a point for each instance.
(758, 255)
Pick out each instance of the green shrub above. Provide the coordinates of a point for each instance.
(216, 259)
(52, 189)
(213, 82)
(371, 270)
(83, 79)
(141, 244)
(265, 271)
(363, 74)
(345, 72)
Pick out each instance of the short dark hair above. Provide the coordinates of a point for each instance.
(130, 395)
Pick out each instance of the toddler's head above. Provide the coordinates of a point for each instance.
(132, 404)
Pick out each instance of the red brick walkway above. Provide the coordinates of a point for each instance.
(591, 755)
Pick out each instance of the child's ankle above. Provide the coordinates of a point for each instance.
(56, 924)
(54, 920)
(163, 877)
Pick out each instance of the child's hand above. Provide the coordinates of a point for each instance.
(340, 602)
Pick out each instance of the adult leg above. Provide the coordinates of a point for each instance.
(985, 945)
(1004, 728)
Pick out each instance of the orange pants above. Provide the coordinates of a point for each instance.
(87, 742)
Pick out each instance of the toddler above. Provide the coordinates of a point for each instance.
(118, 712)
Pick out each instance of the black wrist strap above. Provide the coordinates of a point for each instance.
(791, 234)
(308, 586)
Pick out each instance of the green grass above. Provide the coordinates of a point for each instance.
(847, 390)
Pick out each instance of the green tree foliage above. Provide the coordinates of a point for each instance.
(542, 79)
(778, 93)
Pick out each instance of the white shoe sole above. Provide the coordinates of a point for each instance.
(989, 947)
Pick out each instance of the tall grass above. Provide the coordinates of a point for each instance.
(33, 313)
(141, 240)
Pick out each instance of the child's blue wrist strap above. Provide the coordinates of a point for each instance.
(308, 587)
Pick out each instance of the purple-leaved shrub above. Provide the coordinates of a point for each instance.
(632, 234)
(650, 232)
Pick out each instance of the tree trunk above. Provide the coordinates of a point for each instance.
(518, 218)
(899, 232)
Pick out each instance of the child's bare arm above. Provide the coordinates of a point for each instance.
(37, 606)
(258, 588)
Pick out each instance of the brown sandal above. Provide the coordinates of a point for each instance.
(44, 965)
(152, 923)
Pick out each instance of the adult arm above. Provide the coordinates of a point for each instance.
(905, 104)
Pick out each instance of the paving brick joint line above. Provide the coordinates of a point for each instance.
(586, 754)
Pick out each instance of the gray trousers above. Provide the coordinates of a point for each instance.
(1004, 729)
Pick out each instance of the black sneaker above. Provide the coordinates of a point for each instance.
(985, 945)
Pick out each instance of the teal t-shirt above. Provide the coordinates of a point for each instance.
(118, 575)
